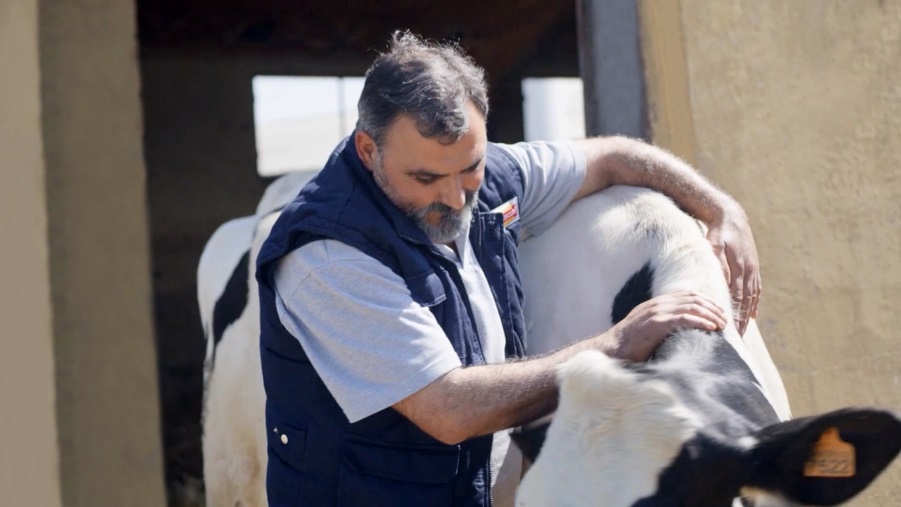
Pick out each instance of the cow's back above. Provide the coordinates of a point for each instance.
(574, 272)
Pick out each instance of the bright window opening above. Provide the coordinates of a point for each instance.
(553, 109)
(300, 120)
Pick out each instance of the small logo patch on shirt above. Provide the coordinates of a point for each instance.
(510, 210)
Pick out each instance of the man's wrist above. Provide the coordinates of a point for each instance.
(721, 209)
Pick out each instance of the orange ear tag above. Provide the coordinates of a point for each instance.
(831, 457)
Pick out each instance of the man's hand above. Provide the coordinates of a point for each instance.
(649, 323)
(622, 161)
(733, 243)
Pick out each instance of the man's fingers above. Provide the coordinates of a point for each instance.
(696, 322)
(752, 294)
(724, 262)
(691, 305)
(689, 299)
(754, 283)
(756, 300)
(742, 322)
(740, 297)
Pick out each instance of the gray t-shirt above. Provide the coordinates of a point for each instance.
(371, 344)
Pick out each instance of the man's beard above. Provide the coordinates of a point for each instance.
(451, 222)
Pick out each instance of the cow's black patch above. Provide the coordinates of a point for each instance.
(635, 291)
(710, 378)
(231, 304)
(780, 457)
(706, 473)
(709, 472)
(530, 440)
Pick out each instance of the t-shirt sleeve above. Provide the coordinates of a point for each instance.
(553, 172)
(371, 344)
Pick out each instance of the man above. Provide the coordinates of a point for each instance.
(390, 298)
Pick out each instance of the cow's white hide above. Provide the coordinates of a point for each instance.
(220, 258)
(574, 270)
(694, 425)
(642, 424)
(234, 441)
(571, 276)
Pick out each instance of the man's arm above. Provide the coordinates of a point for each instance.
(624, 161)
(478, 400)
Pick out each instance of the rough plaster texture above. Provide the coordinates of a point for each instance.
(796, 108)
(106, 381)
(29, 461)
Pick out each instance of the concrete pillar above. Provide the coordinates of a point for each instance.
(81, 426)
(29, 461)
(611, 68)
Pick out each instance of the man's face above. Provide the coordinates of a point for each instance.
(433, 183)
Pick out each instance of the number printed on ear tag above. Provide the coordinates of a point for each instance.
(831, 457)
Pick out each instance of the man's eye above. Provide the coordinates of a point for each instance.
(425, 180)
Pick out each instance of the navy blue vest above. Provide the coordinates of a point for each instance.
(316, 456)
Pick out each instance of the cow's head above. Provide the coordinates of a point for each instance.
(621, 439)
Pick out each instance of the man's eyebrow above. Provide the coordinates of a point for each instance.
(474, 165)
(426, 172)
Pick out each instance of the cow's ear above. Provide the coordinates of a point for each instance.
(530, 440)
(825, 459)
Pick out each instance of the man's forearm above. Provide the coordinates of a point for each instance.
(624, 161)
(479, 400)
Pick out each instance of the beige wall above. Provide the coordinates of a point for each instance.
(75, 291)
(29, 471)
(795, 109)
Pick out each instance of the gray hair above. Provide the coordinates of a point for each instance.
(426, 81)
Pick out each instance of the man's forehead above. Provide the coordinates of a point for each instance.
(406, 125)
(407, 143)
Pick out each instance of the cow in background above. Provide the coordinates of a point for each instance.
(234, 442)
(705, 420)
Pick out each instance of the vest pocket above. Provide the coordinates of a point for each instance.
(284, 476)
(379, 473)
(426, 288)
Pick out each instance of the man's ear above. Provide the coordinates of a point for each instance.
(366, 149)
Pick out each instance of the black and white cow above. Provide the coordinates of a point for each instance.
(234, 440)
(700, 424)
(574, 276)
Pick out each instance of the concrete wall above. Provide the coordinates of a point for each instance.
(29, 462)
(795, 109)
(75, 290)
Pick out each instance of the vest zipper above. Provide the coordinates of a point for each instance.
(475, 328)
(466, 302)
(479, 223)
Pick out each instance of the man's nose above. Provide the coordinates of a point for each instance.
(455, 194)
